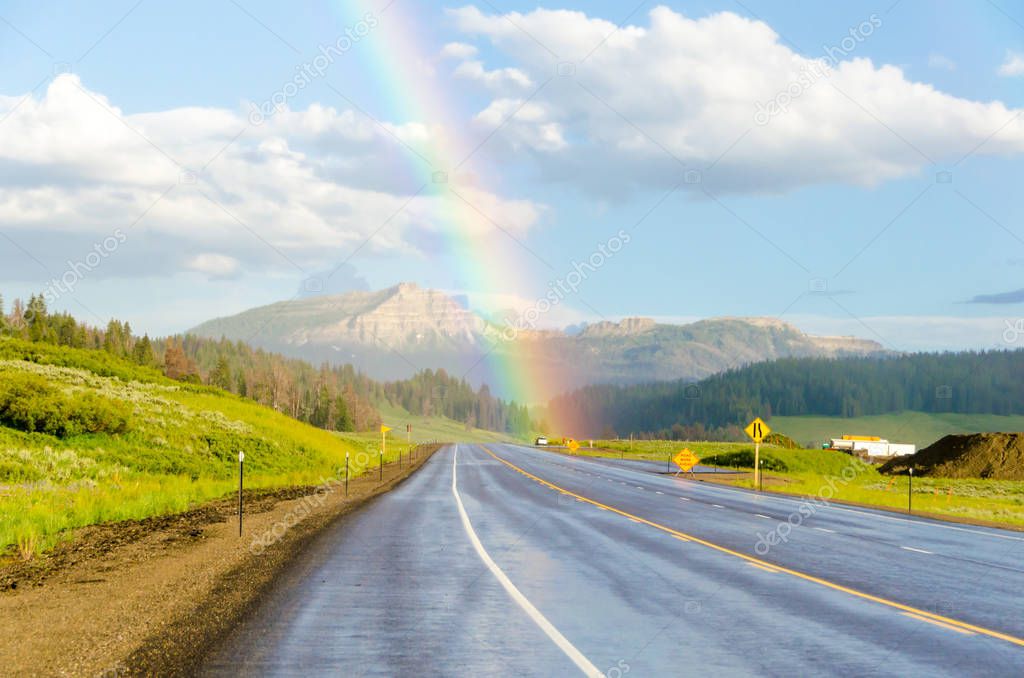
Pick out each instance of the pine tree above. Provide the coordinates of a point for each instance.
(221, 374)
(142, 354)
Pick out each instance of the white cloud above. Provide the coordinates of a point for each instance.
(1013, 65)
(213, 265)
(941, 62)
(525, 124)
(296, 193)
(458, 50)
(678, 93)
(498, 79)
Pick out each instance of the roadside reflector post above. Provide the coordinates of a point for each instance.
(382, 466)
(910, 490)
(241, 473)
(346, 474)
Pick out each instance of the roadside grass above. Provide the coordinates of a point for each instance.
(180, 449)
(920, 428)
(440, 429)
(833, 475)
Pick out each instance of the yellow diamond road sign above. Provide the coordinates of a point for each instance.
(757, 430)
(573, 445)
(685, 459)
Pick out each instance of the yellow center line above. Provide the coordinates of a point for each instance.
(938, 623)
(924, 614)
(762, 567)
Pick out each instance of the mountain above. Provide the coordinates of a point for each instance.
(393, 333)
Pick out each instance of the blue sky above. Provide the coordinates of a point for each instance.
(879, 203)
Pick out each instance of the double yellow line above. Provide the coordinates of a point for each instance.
(923, 615)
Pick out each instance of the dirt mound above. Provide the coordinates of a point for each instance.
(999, 456)
(781, 440)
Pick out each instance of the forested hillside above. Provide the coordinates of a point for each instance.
(971, 383)
(331, 397)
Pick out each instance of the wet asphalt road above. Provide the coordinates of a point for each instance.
(400, 588)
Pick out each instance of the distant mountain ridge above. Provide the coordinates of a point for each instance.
(393, 333)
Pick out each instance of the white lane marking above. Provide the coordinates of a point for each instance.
(761, 515)
(911, 548)
(639, 488)
(684, 498)
(825, 529)
(880, 514)
(718, 506)
(659, 492)
(539, 619)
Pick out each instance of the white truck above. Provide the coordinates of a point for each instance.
(871, 446)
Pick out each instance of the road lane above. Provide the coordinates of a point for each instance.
(863, 549)
(398, 589)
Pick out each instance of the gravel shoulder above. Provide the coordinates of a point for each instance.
(152, 597)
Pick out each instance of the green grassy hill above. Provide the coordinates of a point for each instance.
(919, 428)
(88, 438)
(426, 429)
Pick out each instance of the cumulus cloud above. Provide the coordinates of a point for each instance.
(1013, 65)
(458, 50)
(652, 101)
(499, 79)
(290, 195)
(213, 265)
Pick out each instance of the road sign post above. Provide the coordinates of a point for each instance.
(910, 490)
(241, 473)
(383, 448)
(757, 430)
(346, 474)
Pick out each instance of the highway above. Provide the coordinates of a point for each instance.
(505, 560)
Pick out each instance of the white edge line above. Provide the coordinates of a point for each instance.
(911, 548)
(538, 618)
(825, 529)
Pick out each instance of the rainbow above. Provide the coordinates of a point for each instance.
(390, 56)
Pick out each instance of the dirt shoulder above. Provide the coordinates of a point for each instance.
(152, 597)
